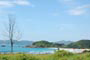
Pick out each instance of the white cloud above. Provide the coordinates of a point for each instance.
(6, 3)
(79, 10)
(9, 3)
(73, 7)
(22, 2)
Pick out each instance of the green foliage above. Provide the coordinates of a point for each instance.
(26, 57)
(62, 53)
(80, 44)
(45, 44)
(17, 57)
(58, 55)
(4, 58)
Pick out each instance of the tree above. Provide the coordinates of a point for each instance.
(11, 31)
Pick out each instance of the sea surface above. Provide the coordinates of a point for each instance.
(21, 49)
(27, 50)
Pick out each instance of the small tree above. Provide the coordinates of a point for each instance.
(11, 31)
(11, 27)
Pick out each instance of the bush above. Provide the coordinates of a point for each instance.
(27, 57)
(62, 53)
(4, 58)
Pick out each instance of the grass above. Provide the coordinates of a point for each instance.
(59, 55)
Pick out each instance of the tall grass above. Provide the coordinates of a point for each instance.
(58, 55)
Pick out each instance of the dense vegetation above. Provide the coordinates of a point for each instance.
(80, 44)
(59, 55)
(45, 44)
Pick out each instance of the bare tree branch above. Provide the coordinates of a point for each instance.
(11, 31)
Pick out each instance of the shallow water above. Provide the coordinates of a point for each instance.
(21, 49)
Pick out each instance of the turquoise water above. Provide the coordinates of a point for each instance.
(20, 49)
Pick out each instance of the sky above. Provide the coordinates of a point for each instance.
(51, 20)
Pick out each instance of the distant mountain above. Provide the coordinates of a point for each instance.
(64, 42)
(16, 43)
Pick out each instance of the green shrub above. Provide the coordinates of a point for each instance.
(27, 57)
(4, 58)
(62, 53)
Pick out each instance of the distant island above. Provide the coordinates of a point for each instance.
(46, 44)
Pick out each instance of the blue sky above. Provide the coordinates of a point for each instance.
(51, 20)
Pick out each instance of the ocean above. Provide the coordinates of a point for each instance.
(27, 50)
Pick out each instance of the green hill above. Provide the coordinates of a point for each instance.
(44, 44)
(80, 44)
